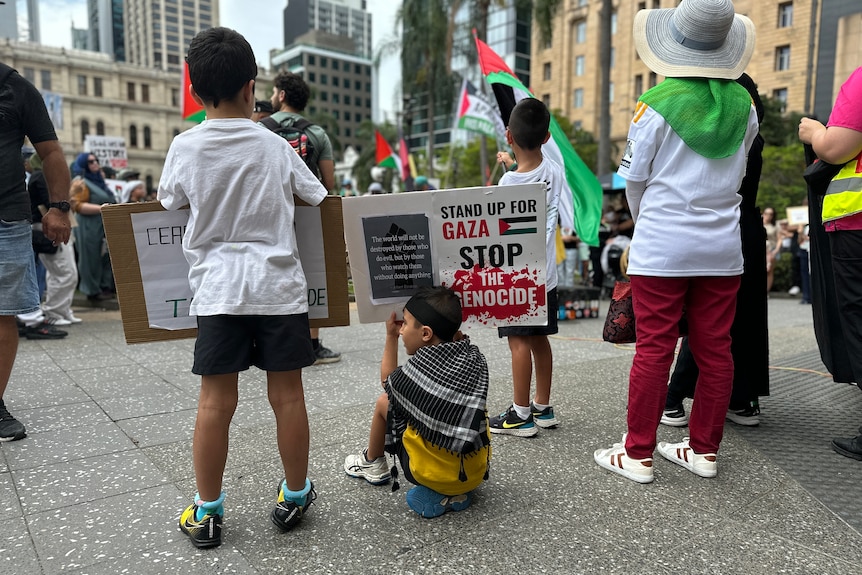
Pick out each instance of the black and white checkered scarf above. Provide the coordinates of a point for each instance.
(442, 391)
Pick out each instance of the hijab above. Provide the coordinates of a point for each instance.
(82, 168)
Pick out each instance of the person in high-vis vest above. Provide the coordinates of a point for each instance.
(840, 143)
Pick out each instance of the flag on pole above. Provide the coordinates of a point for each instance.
(581, 209)
(192, 111)
(404, 156)
(475, 113)
(384, 156)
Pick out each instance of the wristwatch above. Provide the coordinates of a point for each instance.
(63, 206)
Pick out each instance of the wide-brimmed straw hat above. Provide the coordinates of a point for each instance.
(698, 38)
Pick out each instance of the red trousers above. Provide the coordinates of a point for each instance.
(710, 303)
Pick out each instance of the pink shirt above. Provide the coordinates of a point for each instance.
(847, 113)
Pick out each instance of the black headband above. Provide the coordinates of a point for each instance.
(427, 315)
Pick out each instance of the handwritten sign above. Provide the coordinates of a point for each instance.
(487, 244)
(110, 150)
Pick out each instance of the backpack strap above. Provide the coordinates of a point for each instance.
(302, 124)
(271, 124)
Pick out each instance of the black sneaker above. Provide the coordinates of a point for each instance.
(10, 428)
(22, 328)
(44, 331)
(544, 417)
(508, 423)
(325, 355)
(204, 533)
(287, 514)
(675, 417)
(747, 416)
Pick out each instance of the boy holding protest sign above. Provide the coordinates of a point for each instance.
(244, 271)
(527, 131)
(432, 414)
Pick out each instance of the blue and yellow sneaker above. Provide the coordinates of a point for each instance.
(508, 423)
(287, 514)
(204, 533)
(544, 418)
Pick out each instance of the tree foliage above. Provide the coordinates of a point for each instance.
(781, 183)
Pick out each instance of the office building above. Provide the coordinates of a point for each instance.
(9, 20)
(347, 18)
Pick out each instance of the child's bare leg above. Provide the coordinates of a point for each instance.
(291, 420)
(216, 407)
(377, 435)
(522, 368)
(544, 360)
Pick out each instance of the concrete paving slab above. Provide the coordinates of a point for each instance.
(10, 506)
(17, 552)
(52, 447)
(62, 416)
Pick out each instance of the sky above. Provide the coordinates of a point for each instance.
(258, 20)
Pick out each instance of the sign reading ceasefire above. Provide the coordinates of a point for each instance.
(487, 244)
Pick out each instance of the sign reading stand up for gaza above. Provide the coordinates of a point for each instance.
(487, 244)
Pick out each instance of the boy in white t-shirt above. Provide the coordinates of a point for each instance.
(527, 131)
(244, 270)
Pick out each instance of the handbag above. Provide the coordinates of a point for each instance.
(620, 322)
(41, 244)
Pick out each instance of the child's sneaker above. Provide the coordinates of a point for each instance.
(675, 417)
(682, 454)
(615, 459)
(428, 503)
(747, 416)
(508, 423)
(287, 514)
(204, 533)
(374, 472)
(543, 417)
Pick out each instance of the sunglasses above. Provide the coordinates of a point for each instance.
(93, 161)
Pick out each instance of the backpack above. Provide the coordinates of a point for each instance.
(295, 132)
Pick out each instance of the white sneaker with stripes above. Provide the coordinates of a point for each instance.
(615, 459)
(682, 454)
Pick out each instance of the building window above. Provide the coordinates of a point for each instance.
(641, 5)
(324, 96)
(312, 60)
(583, 2)
(546, 43)
(579, 98)
(611, 93)
(30, 75)
(781, 95)
(335, 64)
(656, 4)
(324, 79)
(148, 138)
(334, 78)
(613, 57)
(175, 97)
(145, 93)
(785, 15)
(130, 91)
(347, 132)
(347, 98)
(82, 85)
(85, 129)
(580, 64)
(175, 133)
(782, 58)
(639, 86)
(336, 99)
(546, 71)
(613, 23)
(357, 85)
(312, 77)
(653, 79)
(46, 79)
(97, 87)
(546, 99)
(133, 136)
(324, 62)
(581, 32)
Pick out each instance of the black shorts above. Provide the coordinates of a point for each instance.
(551, 328)
(233, 343)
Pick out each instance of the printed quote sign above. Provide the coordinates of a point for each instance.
(487, 244)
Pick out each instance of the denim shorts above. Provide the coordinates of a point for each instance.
(19, 292)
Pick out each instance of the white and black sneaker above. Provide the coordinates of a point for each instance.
(747, 416)
(10, 428)
(375, 472)
(675, 417)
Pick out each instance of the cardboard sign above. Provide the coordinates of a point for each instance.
(487, 244)
(151, 273)
(797, 215)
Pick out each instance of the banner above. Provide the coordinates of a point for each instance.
(110, 150)
(487, 244)
(475, 114)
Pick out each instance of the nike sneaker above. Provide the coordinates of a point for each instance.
(508, 423)
(204, 533)
(287, 514)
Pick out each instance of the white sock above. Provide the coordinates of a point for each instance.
(523, 412)
(540, 406)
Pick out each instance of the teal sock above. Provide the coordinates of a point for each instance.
(211, 507)
(297, 497)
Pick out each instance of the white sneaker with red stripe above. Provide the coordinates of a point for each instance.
(682, 454)
(615, 459)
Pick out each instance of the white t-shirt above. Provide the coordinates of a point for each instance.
(686, 207)
(551, 174)
(238, 179)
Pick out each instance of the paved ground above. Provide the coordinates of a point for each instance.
(99, 483)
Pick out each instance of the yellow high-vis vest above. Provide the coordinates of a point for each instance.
(844, 194)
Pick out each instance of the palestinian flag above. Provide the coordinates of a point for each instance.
(192, 111)
(385, 157)
(475, 114)
(581, 209)
(517, 225)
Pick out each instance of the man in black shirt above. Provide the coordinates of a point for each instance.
(23, 114)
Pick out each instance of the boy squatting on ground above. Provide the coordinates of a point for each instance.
(437, 400)
(244, 270)
(527, 131)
